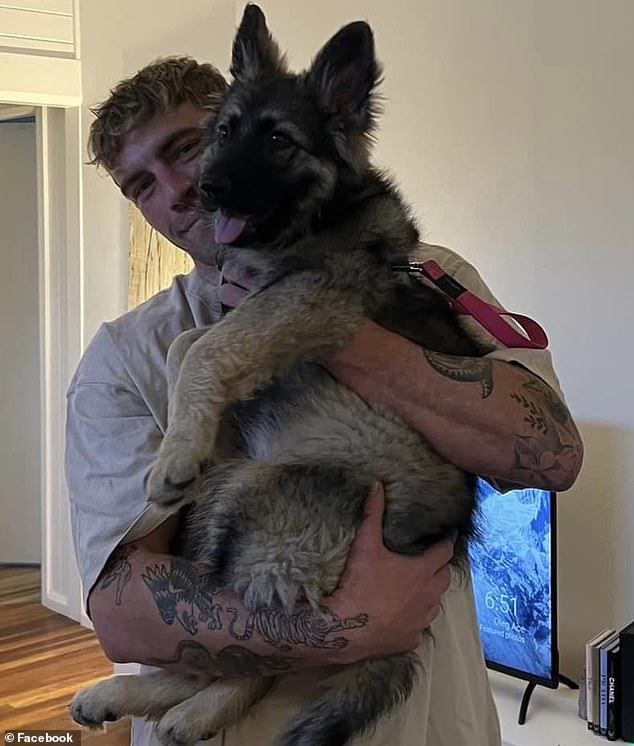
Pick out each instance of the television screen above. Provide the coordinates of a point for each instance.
(513, 568)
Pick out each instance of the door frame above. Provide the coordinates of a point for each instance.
(53, 87)
(61, 339)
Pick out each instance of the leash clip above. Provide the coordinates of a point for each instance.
(490, 317)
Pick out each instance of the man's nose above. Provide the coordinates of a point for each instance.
(180, 190)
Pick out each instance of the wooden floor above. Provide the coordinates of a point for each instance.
(44, 659)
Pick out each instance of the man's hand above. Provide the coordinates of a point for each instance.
(401, 595)
(384, 603)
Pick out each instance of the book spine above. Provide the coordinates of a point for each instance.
(589, 686)
(613, 714)
(596, 688)
(603, 690)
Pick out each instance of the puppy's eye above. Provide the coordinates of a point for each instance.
(222, 133)
(280, 140)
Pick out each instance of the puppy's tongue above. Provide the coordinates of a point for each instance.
(228, 229)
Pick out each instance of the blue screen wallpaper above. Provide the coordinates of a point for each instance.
(511, 570)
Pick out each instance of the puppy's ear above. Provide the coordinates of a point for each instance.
(255, 53)
(344, 74)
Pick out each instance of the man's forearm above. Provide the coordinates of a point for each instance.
(487, 416)
(162, 610)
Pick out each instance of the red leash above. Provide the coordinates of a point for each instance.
(489, 316)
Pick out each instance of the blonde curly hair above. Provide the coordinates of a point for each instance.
(161, 86)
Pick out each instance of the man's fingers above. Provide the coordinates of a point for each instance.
(434, 613)
(368, 548)
(440, 554)
(374, 507)
(443, 578)
(370, 533)
(369, 537)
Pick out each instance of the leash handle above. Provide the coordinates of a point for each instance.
(489, 316)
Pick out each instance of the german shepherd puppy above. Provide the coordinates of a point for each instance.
(287, 173)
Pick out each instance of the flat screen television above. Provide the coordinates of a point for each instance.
(513, 566)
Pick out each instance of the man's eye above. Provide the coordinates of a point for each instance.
(142, 187)
(188, 147)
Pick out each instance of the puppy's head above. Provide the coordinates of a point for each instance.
(282, 145)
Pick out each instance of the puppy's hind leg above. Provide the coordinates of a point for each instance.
(218, 706)
(144, 696)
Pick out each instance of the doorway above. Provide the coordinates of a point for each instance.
(20, 412)
(55, 342)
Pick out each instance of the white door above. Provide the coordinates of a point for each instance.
(20, 417)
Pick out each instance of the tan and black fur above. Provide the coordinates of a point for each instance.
(293, 452)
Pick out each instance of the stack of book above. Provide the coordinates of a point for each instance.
(605, 684)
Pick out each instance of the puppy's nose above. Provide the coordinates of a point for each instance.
(212, 190)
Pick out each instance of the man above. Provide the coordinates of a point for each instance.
(152, 607)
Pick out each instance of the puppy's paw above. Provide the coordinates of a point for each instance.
(179, 465)
(174, 729)
(97, 705)
(276, 587)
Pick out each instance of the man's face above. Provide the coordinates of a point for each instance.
(158, 170)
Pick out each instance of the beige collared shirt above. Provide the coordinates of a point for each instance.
(117, 411)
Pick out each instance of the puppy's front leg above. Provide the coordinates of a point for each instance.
(219, 706)
(176, 354)
(299, 318)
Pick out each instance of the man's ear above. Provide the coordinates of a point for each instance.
(345, 74)
(255, 53)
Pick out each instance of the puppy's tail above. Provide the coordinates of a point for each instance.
(354, 701)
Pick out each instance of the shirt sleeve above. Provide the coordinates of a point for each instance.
(538, 362)
(112, 440)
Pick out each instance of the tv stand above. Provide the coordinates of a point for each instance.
(530, 688)
(552, 720)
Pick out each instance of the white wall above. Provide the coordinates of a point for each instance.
(509, 125)
(20, 493)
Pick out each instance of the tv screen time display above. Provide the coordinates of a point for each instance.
(512, 566)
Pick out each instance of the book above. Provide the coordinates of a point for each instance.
(604, 647)
(614, 695)
(626, 683)
(590, 646)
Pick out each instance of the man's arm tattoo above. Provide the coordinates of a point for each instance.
(310, 627)
(548, 407)
(184, 593)
(554, 451)
(463, 370)
(118, 570)
(549, 452)
(232, 660)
